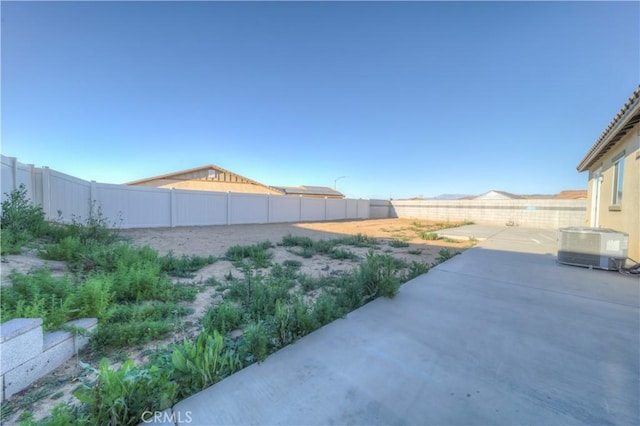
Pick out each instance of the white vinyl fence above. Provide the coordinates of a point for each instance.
(65, 197)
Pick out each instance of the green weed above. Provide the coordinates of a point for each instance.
(223, 318)
(429, 236)
(398, 243)
(119, 397)
(201, 363)
(446, 254)
(21, 221)
(255, 345)
(257, 254)
(184, 266)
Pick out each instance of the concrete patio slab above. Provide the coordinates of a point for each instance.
(500, 334)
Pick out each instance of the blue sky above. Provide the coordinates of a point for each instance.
(405, 99)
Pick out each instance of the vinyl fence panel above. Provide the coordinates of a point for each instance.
(363, 209)
(285, 209)
(194, 208)
(249, 208)
(65, 197)
(336, 209)
(134, 207)
(313, 209)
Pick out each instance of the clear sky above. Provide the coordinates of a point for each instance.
(404, 98)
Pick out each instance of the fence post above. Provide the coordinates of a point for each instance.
(300, 210)
(325, 208)
(172, 206)
(14, 173)
(46, 192)
(93, 198)
(268, 208)
(228, 207)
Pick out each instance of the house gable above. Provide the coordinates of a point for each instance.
(207, 178)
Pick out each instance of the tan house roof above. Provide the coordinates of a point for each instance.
(317, 191)
(575, 194)
(212, 177)
(620, 125)
(209, 172)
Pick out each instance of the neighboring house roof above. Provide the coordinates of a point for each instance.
(577, 194)
(323, 191)
(208, 172)
(622, 123)
(497, 195)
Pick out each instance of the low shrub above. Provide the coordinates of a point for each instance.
(184, 266)
(257, 254)
(341, 254)
(119, 397)
(21, 221)
(446, 254)
(255, 346)
(429, 236)
(38, 295)
(222, 318)
(377, 275)
(395, 243)
(201, 363)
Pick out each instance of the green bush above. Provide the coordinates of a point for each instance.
(257, 254)
(303, 319)
(341, 254)
(395, 243)
(255, 345)
(201, 363)
(429, 236)
(359, 240)
(119, 397)
(92, 298)
(292, 241)
(118, 335)
(284, 323)
(222, 318)
(417, 269)
(184, 266)
(21, 221)
(377, 275)
(326, 310)
(38, 295)
(446, 254)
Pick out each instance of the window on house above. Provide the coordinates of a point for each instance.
(618, 175)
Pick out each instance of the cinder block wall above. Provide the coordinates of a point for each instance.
(537, 213)
(27, 354)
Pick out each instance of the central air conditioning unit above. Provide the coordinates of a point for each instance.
(593, 247)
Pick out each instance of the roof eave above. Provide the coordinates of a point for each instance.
(610, 136)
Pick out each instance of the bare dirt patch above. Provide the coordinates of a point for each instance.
(216, 240)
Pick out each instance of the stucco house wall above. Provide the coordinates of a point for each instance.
(203, 185)
(619, 142)
(625, 216)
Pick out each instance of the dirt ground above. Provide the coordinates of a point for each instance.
(215, 240)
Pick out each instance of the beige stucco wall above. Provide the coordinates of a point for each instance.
(627, 219)
(202, 185)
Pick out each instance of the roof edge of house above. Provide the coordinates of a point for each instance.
(195, 169)
(628, 110)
